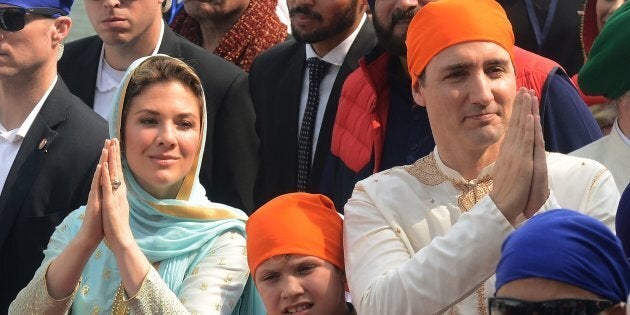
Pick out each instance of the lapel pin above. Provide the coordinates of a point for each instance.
(42, 145)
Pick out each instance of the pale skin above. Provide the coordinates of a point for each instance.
(106, 216)
(28, 65)
(468, 90)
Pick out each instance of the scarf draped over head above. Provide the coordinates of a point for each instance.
(441, 24)
(295, 223)
(178, 233)
(569, 247)
(622, 221)
(606, 70)
(256, 30)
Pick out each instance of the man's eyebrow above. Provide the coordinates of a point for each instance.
(497, 62)
(456, 66)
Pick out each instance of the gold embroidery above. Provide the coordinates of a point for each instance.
(222, 261)
(85, 289)
(245, 252)
(481, 301)
(426, 171)
(595, 180)
(204, 286)
(195, 271)
(107, 274)
(98, 253)
(120, 307)
(217, 306)
(228, 279)
(95, 310)
(81, 216)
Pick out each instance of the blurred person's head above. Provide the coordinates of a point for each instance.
(324, 23)
(605, 72)
(561, 262)
(295, 255)
(126, 22)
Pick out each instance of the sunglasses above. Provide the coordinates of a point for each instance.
(13, 19)
(506, 306)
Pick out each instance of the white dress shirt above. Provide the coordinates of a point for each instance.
(108, 79)
(11, 140)
(419, 239)
(335, 57)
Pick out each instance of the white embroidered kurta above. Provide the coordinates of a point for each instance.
(420, 240)
(613, 152)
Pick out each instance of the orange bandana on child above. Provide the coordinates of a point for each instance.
(296, 223)
(444, 23)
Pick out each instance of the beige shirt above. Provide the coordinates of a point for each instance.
(613, 151)
(419, 239)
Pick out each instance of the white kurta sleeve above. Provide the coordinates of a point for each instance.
(385, 278)
(216, 284)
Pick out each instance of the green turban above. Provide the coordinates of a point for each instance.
(607, 70)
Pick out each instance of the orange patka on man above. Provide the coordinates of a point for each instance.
(295, 254)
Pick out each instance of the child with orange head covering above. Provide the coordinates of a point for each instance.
(295, 255)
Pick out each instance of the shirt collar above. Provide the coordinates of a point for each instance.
(456, 176)
(20, 132)
(337, 54)
(105, 83)
(621, 135)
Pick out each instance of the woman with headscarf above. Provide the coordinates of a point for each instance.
(236, 30)
(148, 241)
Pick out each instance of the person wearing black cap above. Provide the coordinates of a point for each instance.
(606, 73)
(50, 141)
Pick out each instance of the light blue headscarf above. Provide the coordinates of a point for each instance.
(178, 233)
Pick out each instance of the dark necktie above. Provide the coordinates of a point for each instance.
(316, 70)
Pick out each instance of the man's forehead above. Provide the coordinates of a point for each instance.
(472, 52)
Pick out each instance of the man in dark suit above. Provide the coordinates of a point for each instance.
(128, 30)
(50, 141)
(294, 120)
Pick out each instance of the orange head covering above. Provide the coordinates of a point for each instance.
(444, 23)
(296, 223)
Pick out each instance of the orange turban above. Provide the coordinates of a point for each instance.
(296, 223)
(444, 23)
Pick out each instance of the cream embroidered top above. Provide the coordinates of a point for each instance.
(419, 239)
(214, 286)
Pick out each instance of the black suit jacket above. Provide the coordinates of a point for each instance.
(276, 83)
(45, 183)
(229, 162)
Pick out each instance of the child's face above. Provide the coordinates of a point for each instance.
(301, 285)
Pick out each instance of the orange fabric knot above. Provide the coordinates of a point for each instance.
(441, 24)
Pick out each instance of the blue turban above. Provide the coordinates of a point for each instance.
(63, 5)
(569, 247)
(622, 222)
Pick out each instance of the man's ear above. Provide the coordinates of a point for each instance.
(418, 93)
(62, 26)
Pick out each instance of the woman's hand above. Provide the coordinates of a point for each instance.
(91, 232)
(115, 206)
